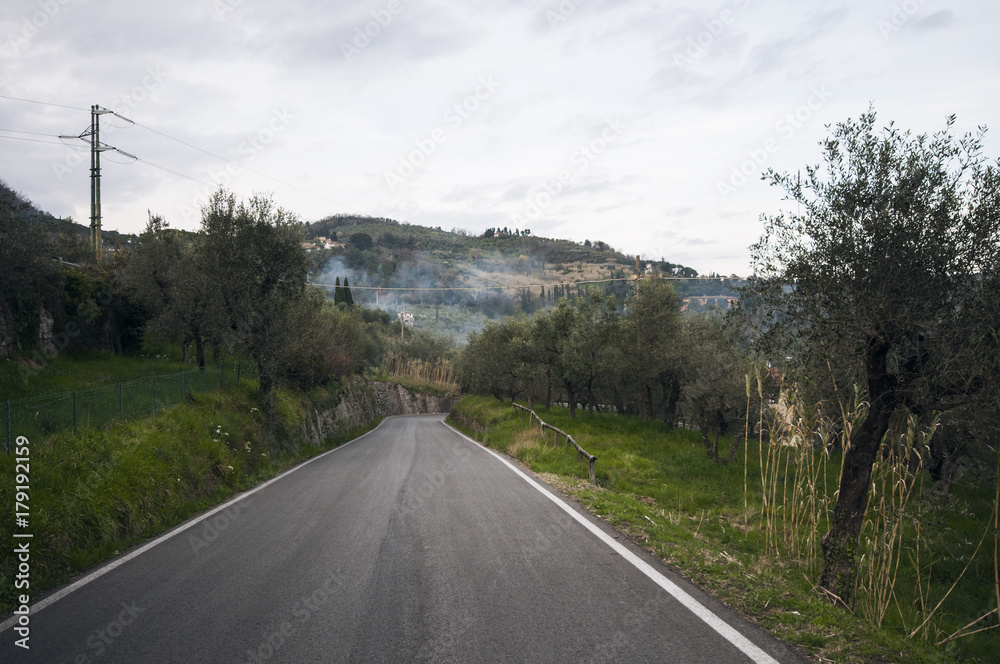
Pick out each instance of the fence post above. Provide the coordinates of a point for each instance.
(154, 396)
(590, 465)
(121, 402)
(74, 411)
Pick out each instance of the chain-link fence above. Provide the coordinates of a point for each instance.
(100, 406)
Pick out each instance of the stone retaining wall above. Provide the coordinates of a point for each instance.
(367, 399)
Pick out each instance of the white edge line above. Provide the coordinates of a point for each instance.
(96, 574)
(744, 644)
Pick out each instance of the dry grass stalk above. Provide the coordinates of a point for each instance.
(525, 439)
(927, 618)
(791, 519)
(439, 374)
(996, 528)
(894, 479)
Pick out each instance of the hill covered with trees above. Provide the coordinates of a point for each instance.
(453, 282)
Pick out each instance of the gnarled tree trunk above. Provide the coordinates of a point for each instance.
(840, 543)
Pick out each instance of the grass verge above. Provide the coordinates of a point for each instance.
(657, 486)
(98, 492)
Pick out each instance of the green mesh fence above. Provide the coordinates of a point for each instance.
(98, 407)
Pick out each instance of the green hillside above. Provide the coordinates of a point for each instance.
(452, 282)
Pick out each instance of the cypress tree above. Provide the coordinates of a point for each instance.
(338, 293)
(347, 295)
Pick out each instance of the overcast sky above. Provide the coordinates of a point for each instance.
(627, 122)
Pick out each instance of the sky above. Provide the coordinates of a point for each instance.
(642, 124)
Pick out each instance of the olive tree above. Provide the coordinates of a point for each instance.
(164, 274)
(252, 257)
(893, 260)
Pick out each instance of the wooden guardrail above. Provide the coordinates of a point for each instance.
(542, 426)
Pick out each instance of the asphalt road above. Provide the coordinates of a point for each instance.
(410, 544)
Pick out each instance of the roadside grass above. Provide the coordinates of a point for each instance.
(659, 488)
(82, 369)
(98, 492)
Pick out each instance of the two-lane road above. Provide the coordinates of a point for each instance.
(410, 544)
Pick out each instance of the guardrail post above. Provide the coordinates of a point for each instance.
(542, 426)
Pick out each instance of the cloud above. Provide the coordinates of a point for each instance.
(938, 20)
(688, 123)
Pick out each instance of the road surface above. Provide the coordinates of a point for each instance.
(410, 544)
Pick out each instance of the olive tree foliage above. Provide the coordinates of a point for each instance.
(495, 360)
(654, 332)
(589, 352)
(549, 337)
(164, 274)
(254, 263)
(588, 361)
(714, 397)
(890, 267)
(27, 279)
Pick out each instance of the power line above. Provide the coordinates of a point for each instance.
(32, 140)
(482, 288)
(32, 133)
(172, 172)
(195, 147)
(243, 166)
(44, 103)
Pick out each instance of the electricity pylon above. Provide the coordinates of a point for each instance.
(92, 135)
